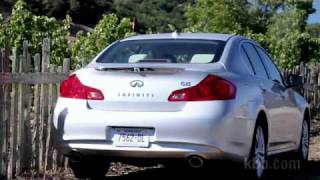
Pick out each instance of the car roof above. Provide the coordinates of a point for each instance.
(174, 35)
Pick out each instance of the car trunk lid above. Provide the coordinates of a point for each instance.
(140, 88)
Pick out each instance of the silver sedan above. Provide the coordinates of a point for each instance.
(193, 97)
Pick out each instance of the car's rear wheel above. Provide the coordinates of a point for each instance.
(258, 157)
(89, 167)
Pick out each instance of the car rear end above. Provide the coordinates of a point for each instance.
(178, 102)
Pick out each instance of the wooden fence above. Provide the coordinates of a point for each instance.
(311, 88)
(28, 92)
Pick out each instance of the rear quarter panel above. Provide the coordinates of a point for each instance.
(248, 104)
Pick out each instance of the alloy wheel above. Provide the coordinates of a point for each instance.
(305, 140)
(260, 152)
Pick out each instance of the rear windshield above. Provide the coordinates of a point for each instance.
(163, 51)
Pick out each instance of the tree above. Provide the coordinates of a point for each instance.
(216, 16)
(2, 31)
(82, 11)
(279, 25)
(289, 41)
(239, 16)
(286, 37)
(154, 15)
(88, 12)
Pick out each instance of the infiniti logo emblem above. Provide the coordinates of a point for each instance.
(136, 83)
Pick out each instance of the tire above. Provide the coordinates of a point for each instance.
(302, 153)
(258, 156)
(89, 168)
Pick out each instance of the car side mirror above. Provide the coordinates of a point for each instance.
(294, 80)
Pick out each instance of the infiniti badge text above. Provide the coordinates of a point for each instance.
(132, 94)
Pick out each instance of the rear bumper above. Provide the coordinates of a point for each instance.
(208, 129)
(158, 151)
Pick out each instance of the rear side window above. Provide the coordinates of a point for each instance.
(246, 60)
(271, 67)
(255, 60)
(187, 51)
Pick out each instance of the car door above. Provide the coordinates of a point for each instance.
(272, 96)
(288, 114)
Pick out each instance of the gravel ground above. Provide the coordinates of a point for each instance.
(119, 171)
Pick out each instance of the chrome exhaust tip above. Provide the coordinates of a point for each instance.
(196, 162)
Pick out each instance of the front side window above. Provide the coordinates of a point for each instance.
(164, 51)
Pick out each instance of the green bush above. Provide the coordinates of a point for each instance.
(23, 25)
(109, 29)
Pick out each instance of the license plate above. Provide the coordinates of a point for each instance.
(131, 137)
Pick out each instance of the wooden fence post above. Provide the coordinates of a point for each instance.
(43, 104)
(35, 124)
(56, 156)
(66, 69)
(20, 118)
(2, 124)
(27, 104)
(13, 120)
(4, 109)
(48, 149)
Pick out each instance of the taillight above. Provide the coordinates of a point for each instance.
(73, 88)
(211, 88)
